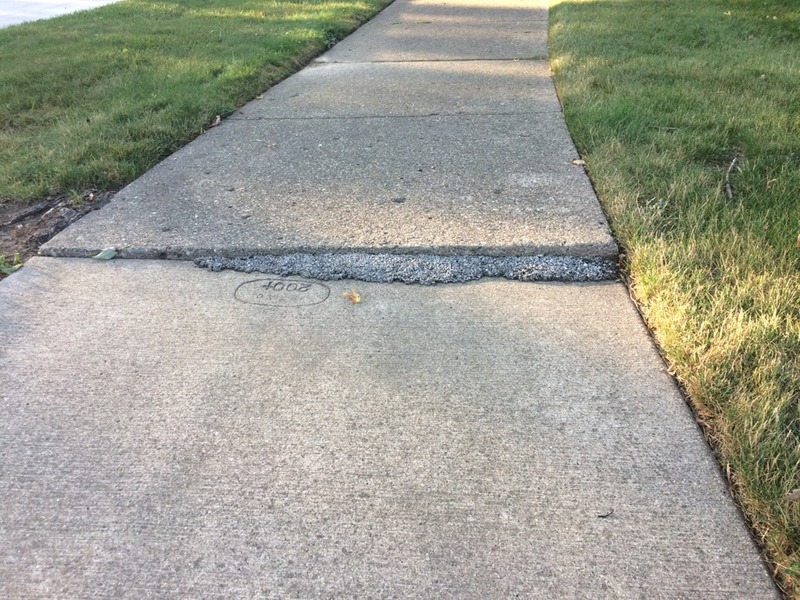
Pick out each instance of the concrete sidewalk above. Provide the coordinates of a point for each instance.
(169, 431)
(13, 12)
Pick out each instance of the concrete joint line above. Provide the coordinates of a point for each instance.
(425, 269)
(535, 58)
(406, 116)
(321, 61)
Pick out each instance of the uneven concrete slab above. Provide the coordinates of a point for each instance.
(460, 30)
(171, 432)
(409, 89)
(493, 185)
(464, 157)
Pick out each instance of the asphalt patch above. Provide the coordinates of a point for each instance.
(425, 269)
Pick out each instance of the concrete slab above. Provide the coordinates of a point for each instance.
(409, 89)
(457, 30)
(464, 157)
(171, 432)
(472, 184)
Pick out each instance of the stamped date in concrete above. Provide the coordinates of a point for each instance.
(282, 292)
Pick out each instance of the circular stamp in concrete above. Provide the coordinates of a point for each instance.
(282, 292)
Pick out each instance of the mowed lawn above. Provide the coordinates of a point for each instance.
(687, 114)
(94, 99)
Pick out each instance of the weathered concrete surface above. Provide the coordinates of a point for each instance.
(170, 432)
(475, 184)
(458, 30)
(407, 89)
(458, 157)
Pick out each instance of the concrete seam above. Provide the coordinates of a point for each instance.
(534, 58)
(405, 116)
(322, 61)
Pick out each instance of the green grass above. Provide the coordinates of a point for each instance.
(660, 96)
(93, 100)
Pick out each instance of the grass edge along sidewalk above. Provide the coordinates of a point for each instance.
(688, 118)
(94, 99)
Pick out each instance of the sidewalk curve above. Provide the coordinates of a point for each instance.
(175, 431)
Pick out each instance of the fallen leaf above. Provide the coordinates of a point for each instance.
(106, 254)
(9, 269)
(352, 295)
(217, 120)
(793, 496)
(579, 162)
(798, 240)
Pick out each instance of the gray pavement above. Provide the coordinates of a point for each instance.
(13, 12)
(368, 163)
(175, 431)
(171, 432)
(435, 30)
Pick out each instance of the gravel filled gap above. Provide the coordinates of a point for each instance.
(425, 269)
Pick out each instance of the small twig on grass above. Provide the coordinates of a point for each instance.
(728, 188)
